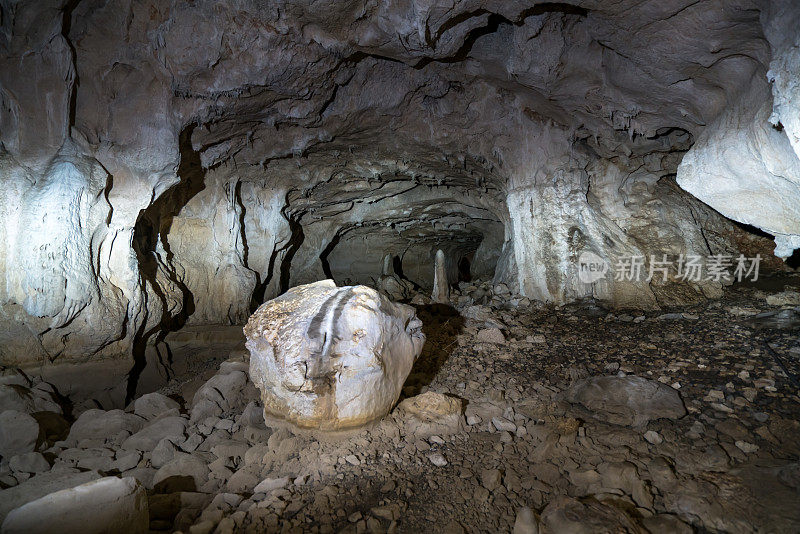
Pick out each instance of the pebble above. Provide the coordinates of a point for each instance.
(437, 459)
(653, 437)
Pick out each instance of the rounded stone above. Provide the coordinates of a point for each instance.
(331, 357)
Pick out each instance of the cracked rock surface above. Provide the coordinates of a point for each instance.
(172, 164)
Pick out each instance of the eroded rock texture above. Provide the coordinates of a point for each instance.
(166, 164)
(331, 358)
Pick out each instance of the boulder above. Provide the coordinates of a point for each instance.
(183, 465)
(27, 400)
(147, 438)
(30, 462)
(565, 515)
(105, 505)
(152, 405)
(331, 358)
(19, 433)
(627, 400)
(41, 485)
(101, 424)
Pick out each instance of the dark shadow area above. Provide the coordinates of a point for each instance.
(441, 325)
(153, 225)
(323, 257)
(174, 484)
(793, 261)
(464, 270)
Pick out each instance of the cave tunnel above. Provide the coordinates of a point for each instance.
(399, 266)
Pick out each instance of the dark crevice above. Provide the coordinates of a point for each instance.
(323, 257)
(291, 248)
(153, 226)
(66, 25)
(493, 22)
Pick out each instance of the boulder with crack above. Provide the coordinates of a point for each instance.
(331, 357)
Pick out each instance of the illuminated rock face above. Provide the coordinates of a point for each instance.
(331, 358)
(216, 154)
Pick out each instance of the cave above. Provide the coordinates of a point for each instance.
(348, 266)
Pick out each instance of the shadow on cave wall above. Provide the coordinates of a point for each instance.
(153, 225)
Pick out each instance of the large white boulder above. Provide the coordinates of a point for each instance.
(105, 505)
(331, 357)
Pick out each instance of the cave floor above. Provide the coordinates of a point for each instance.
(729, 465)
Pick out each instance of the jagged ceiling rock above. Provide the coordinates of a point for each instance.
(247, 148)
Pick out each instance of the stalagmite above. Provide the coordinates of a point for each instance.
(441, 289)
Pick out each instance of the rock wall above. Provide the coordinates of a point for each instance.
(171, 164)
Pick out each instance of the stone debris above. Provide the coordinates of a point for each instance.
(540, 441)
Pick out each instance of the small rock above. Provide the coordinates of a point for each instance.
(746, 447)
(29, 462)
(653, 437)
(491, 335)
(491, 479)
(271, 484)
(525, 522)
(437, 459)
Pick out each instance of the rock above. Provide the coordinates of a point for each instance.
(437, 459)
(525, 523)
(152, 405)
(331, 358)
(172, 428)
(183, 465)
(105, 505)
(477, 313)
(628, 400)
(19, 433)
(653, 437)
(666, 523)
(441, 286)
(784, 298)
(491, 479)
(30, 462)
(41, 485)
(242, 481)
(126, 460)
(163, 453)
(102, 425)
(430, 413)
(27, 400)
(222, 391)
(271, 484)
(491, 335)
(503, 425)
(587, 516)
(746, 447)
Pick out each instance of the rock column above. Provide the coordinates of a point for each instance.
(441, 290)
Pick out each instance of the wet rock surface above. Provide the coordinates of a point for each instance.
(485, 438)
